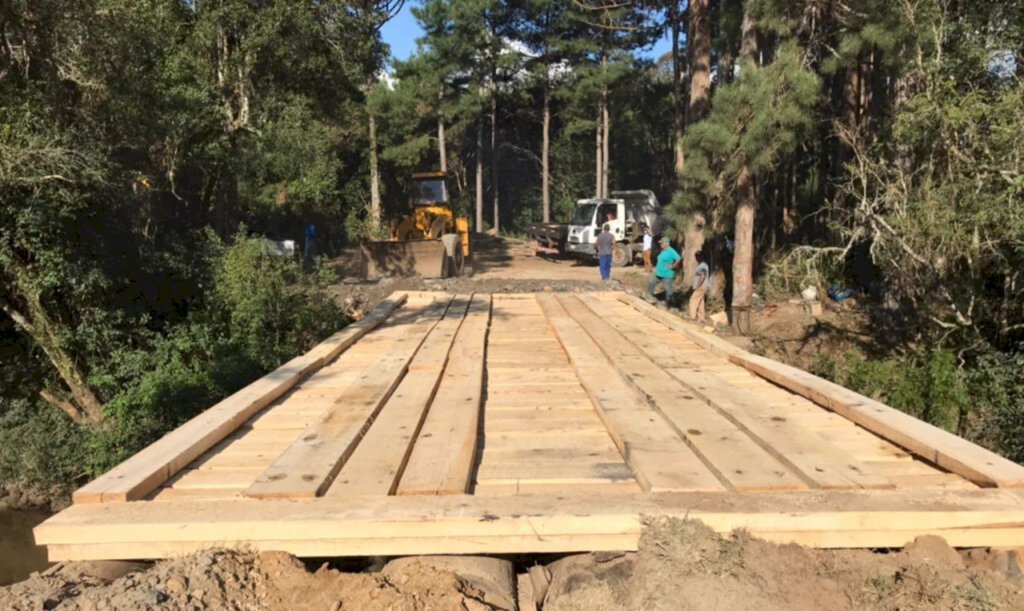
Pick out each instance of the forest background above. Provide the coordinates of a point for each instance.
(147, 148)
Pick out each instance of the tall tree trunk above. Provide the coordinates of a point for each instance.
(693, 241)
(746, 202)
(37, 323)
(699, 50)
(678, 103)
(699, 45)
(442, 153)
(545, 156)
(480, 175)
(375, 213)
(494, 159)
(598, 152)
(606, 126)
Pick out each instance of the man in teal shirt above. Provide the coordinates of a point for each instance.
(665, 271)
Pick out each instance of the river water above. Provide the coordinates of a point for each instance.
(19, 556)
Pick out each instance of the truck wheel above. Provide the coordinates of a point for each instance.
(453, 250)
(622, 255)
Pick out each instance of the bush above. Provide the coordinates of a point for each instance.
(258, 311)
(997, 389)
(40, 448)
(927, 385)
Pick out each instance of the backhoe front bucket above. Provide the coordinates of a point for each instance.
(425, 258)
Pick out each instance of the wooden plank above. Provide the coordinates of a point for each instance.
(945, 449)
(378, 461)
(384, 546)
(539, 473)
(561, 489)
(725, 449)
(194, 494)
(818, 462)
(198, 479)
(503, 441)
(560, 454)
(443, 454)
(145, 471)
(813, 458)
(660, 459)
(309, 465)
(526, 523)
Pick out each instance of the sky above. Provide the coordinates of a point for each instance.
(402, 31)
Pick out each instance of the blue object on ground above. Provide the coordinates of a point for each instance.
(839, 293)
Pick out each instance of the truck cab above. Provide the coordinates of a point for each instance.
(626, 212)
(588, 220)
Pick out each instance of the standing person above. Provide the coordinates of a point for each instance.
(605, 245)
(701, 284)
(648, 247)
(665, 272)
(309, 252)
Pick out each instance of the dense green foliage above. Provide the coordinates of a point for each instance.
(135, 137)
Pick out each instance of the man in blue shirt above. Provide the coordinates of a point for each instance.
(665, 271)
(701, 284)
(605, 246)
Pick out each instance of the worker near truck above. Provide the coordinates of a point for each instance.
(701, 284)
(648, 247)
(665, 271)
(605, 246)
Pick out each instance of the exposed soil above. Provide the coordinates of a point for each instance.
(685, 565)
(680, 565)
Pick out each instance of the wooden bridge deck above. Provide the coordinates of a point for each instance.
(536, 423)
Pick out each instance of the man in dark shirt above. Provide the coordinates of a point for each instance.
(605, 245)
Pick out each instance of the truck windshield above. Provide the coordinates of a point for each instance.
(583, 214)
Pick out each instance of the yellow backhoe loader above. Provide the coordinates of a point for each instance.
(430, 242)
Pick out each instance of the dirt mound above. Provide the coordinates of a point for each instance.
(681, 565)
(222, 579)
(685, 565)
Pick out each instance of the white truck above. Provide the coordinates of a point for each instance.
(627, 212)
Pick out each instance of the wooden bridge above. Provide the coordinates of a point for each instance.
(533, 423)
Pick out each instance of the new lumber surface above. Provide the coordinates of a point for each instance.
(814, 459)
(309, 465)
(378, 460)
(660, 459)
(144, 472)
(726, 449)
(527, 523)
(945, 449)
(443, 454)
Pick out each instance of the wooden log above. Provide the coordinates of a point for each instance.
(145, 471)
(494, 578)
